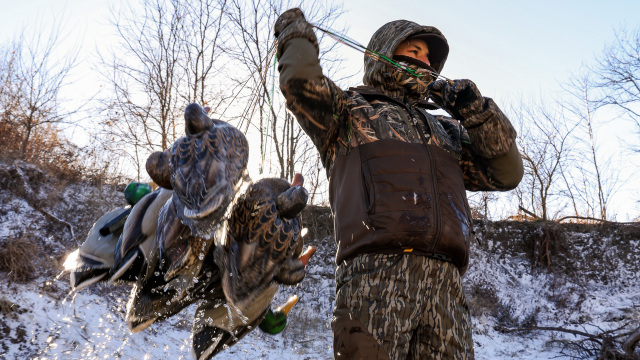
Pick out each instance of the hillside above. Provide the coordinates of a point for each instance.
(573, 277)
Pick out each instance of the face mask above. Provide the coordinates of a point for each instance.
(410, 82)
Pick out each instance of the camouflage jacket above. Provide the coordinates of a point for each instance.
(338, 121)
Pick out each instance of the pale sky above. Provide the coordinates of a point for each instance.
(508, 47)
(511, 49)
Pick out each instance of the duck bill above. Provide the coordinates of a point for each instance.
(307, 255)
(286, 307)
(298, 180)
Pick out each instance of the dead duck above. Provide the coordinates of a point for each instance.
(264, 228)
(136, 252)
(95, 257)
(274, 321)
(161, 293)
(205, 169)
(263, 241)
(262, 250)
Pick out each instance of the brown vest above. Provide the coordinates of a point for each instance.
(391, 196)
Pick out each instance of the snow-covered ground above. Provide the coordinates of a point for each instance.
(592, 286)
(49, 322)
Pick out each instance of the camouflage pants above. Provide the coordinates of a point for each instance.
(400, 307)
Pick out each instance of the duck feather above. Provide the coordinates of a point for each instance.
(136, 250)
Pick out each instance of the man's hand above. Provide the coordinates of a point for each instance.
(286, 18)
(460, 99)
(292, 24)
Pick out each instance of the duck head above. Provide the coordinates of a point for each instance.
(276, 320)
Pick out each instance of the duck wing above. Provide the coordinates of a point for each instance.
(136, 251)
(155, 299)
(183, 254)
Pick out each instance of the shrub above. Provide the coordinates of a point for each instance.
(19, 258)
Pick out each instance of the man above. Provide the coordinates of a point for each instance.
(397, 179)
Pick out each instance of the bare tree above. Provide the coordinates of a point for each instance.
(203, 37)
(215, 52)
(31, 80)
(252, 49)
(545, 145)
(481, 202)
(598, 179)
(144, 76)
(166, 59)
(10, 92)
(618, 75)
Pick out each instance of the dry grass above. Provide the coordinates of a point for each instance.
(19, 257)
(9, 309)
(482, 299)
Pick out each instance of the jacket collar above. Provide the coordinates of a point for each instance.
(370, 93)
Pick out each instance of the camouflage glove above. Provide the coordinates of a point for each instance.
(292, 24)
(462, 99)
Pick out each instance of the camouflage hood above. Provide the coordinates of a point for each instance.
(386, 40)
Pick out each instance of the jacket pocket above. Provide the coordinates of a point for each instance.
(396, 181)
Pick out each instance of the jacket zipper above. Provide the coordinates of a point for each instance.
(434, 177)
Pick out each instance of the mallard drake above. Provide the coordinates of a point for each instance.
(135, 191)
(262, 249)
(136, 252)
(275, 321)
(95, 257)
